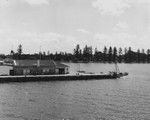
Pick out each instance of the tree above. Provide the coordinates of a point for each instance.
(129, 56)
(110, 55)
(125, 54)
(77, 53)
(148, 56)
(96, 55)
(120, 55)
(138, 56)
(87, 53)
(114, 54)
(19, 50)
(143, 56)
(105, 54)
(12, 54)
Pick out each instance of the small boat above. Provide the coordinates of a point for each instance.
(117, 72)
(118, 75)
(123, 74)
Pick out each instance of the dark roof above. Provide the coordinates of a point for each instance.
(45, 63)
(9, 60)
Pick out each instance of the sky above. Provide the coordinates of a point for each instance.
(59, 25)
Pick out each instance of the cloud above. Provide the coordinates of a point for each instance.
(143, 1)
(4, 3)
(83, 31)
(116, 7)
(31, 41)
(121, 27)
(37, 2)
(112, 7)
(115, 39)
(123, 40)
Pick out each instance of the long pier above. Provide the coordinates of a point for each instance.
(29, 78)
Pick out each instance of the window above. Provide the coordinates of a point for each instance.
(45, 70)
(26, 71)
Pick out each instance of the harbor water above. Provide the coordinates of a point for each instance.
(126, 98)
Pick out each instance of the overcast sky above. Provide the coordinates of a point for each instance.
(58, 25)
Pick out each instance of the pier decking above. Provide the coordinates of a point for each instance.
(29, 78)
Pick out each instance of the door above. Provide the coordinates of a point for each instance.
(61, 71)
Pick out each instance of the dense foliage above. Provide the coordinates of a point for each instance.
(87, 54)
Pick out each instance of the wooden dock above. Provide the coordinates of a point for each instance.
(29, 78)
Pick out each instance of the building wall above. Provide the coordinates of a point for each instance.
(18, 71)
(33, 71)
(66, 70)
(46, 70)
(5, 70)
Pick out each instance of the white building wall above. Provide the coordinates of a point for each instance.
(67, 70)
(5, 70)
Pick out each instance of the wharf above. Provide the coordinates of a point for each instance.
(30, 78)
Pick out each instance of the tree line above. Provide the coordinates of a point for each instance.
(87, 54)
(111, 55)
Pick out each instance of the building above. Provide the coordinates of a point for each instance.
(61, 68)
(5, 70)
(38, 67)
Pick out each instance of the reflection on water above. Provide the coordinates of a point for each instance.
(122, 99)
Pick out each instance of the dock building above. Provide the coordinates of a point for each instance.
(37, 67)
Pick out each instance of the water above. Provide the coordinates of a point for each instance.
(127, 98)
